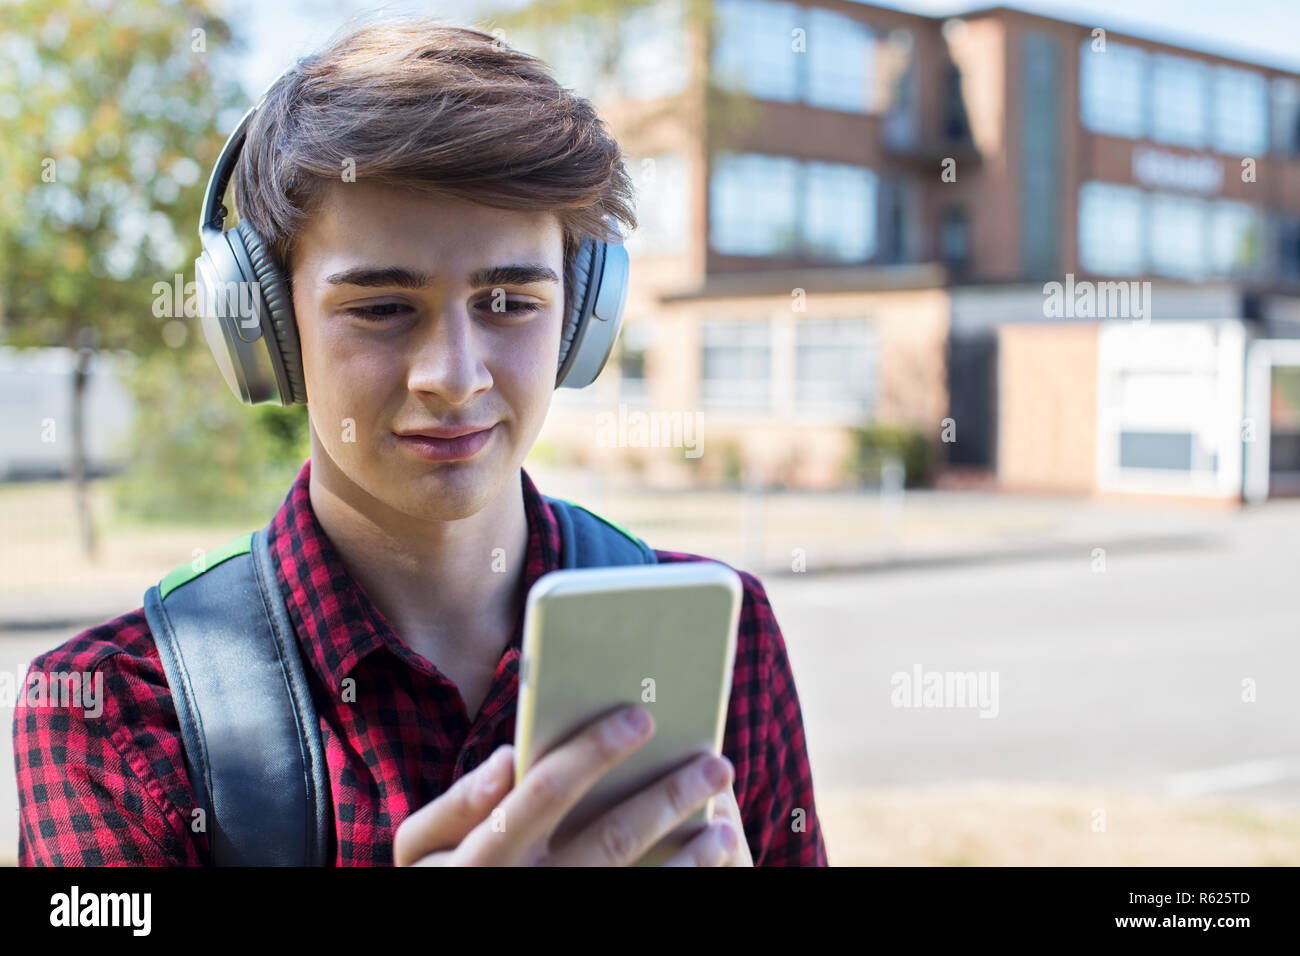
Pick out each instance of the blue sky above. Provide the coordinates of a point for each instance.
(1265, 31)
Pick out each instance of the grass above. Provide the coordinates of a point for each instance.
(41, 552)
(1033, 825)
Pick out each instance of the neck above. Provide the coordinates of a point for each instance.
(433, 580)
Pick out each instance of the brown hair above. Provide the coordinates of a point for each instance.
(442, 110)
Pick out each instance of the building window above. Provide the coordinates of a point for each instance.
(775, 205)
(840, 217)
(1178, 232)
(1163, 418)
(1111, 85)
(1179, 93)
(652, 64)
(1110, 228)
(753, 48)
(1240, 112)
(1234, 238)
(956, 124)
(663, 193)
(1288, 247)
(835, 366)
(1286, 117)
(897, 203)
(1171, 450)
(570, 49)
(1183, 237)
(736, 364)
(1040, 154)
(840, 62)
(755, 51)
(954, 240)
(752, 202)
(898, 79)
(634, 340)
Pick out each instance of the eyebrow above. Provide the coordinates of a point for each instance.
(402, 278)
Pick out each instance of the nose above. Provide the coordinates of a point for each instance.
(448, 361)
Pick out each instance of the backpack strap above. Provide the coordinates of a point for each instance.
(589, 541)
(252, 740)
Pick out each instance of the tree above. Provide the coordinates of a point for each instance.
(110, 121)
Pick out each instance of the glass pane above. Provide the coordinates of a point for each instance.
(1110, 228)
(752, 204)
(1111, 84)
(653, 39)
(1169, 450)
(1240, 112)
(1178, 101)
(840, 219)
(752, 49)
(839, 62)
(1177, 236)
(663, 192)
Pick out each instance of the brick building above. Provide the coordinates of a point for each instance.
(852, 214)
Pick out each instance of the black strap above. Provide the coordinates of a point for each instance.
(589, 541)
(252, 741)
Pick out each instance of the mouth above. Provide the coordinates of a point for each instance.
(446, 444)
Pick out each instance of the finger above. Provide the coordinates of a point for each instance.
(625, 833)
(444, 822)
(551, 788)
(712, 846)
(726, 808)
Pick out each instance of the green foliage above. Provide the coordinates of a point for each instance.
(110, 124)
(198, 454)
(874, 443)
(113, 116)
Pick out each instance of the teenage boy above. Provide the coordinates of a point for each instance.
(429, 292)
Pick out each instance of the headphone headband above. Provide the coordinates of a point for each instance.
(214, 210)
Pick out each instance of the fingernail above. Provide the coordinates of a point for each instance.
(637, 721)
(715, 772)
(727, 837)
(488, 780)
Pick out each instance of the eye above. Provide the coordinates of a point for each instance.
(372, 313)
(513, 307)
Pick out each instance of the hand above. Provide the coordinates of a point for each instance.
(460, 828)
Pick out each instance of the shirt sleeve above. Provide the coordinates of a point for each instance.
(100, 774)
(779, 810)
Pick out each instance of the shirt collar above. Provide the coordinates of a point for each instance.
(336, 622)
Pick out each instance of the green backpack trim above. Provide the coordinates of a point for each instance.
(242, 544)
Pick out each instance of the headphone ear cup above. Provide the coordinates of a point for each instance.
(287, 351)
(581, 291)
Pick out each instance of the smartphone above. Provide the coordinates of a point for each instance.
(661, 636)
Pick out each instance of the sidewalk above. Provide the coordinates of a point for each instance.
(856, 531)
(44, 578)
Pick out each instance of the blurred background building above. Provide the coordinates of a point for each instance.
(873, 243)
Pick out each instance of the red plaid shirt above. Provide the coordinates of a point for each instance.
(112, 789)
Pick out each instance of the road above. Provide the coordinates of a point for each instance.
(1131, 676)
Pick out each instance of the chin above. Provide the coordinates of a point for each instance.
(446, 491)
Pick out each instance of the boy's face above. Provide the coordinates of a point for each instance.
(434, 355)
